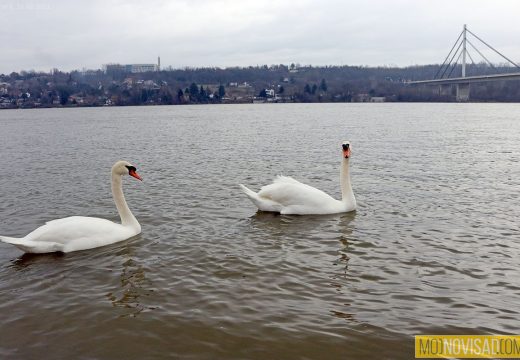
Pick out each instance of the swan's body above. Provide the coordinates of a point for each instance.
(291, 197)
(81, 233)
(288, 196)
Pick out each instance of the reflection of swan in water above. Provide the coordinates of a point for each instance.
(130, 288)
(273, 222)
(344, 315)
(128, 283)
(343, 257)
(132, 278)
(345, 230)
(340, 279)
(334, 226)
(129, 295)
(287, 231)
(28, 259)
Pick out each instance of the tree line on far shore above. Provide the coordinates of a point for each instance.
(279, 83)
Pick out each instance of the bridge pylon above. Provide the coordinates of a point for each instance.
(462, 93)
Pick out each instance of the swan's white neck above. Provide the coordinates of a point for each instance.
(127, 218)
(347, 195)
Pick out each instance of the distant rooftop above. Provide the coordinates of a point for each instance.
(133, 68)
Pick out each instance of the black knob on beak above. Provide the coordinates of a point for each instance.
(345, 146)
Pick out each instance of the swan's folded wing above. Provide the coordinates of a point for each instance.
(63, 221)
(285, 179)
(289, 193)
(75, 227)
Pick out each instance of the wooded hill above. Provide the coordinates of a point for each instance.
(280, 83)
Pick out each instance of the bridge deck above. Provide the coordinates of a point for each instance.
(468, 79)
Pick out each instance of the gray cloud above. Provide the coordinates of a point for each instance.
(69, 35)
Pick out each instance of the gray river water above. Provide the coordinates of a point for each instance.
(433, 248)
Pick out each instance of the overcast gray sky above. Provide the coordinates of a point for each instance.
(43, 34)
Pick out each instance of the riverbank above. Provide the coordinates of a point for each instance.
(277, 83)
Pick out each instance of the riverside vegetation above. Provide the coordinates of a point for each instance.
(275, 83)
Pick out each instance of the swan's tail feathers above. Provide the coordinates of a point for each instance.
(18, 242)
(250, 193)
(32, 246)
(261, 203)
(10, 240)
(252, 196)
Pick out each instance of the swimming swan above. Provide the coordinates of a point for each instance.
(290, 197)
(81, 233)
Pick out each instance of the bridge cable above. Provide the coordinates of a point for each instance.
(453, 47)
(450, 62)
(455, 54)
(492, 48)
(472, 62)
(455, 64)
(450, 65)
(485, 58)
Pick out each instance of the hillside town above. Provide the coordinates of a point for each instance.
(149, 84)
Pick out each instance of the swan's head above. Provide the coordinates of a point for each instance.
(346, 149)
(125, 168)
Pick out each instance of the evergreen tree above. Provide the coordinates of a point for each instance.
(323, 85)
(194, 92)
(64, 97)
(144, 95)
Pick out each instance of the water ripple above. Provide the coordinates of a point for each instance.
(432, 247)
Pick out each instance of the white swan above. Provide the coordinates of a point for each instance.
(79, 232)
(290, 197)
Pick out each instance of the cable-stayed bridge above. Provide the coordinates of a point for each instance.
(443, 78)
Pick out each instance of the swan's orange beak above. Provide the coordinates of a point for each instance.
(133, 173)
(346, 153)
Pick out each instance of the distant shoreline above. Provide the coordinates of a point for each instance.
(122, 86)
(250, 103)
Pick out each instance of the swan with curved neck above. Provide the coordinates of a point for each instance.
(291, 197)
(81, 233)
